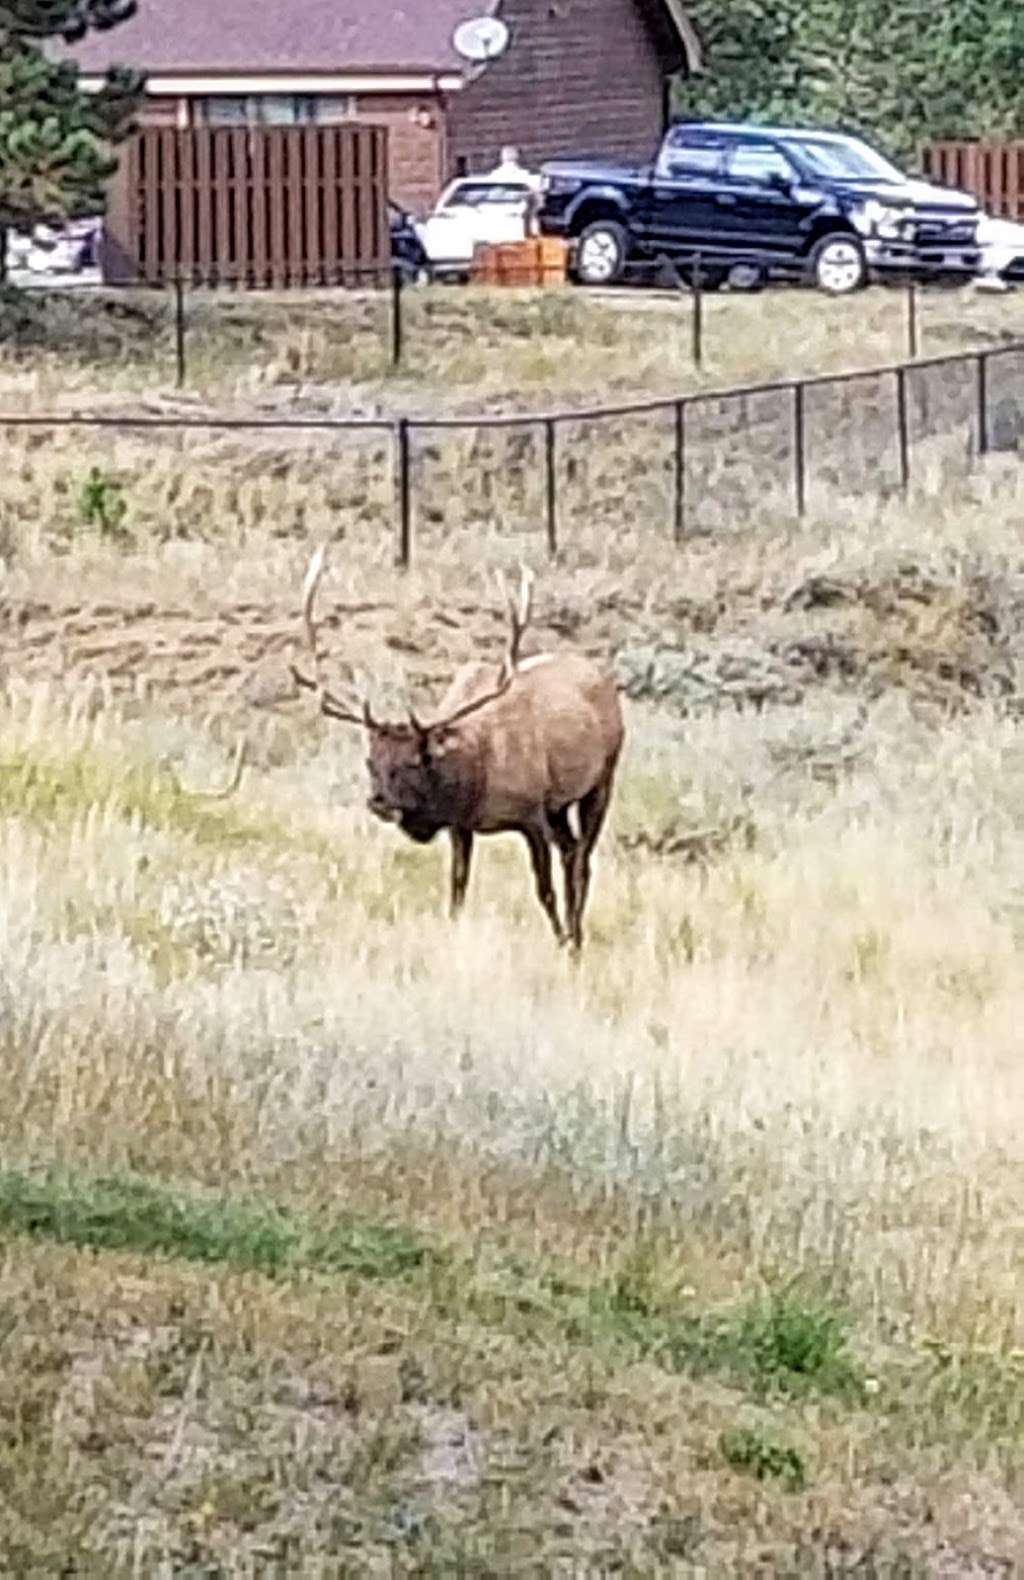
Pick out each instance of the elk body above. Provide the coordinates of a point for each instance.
(519, 752)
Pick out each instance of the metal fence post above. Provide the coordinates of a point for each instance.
(179, 329)
(911, 319)
(551, 477)
(679, 525)
(404, 480)
(799, 453)
(397, 327)
(698, 314)
(902, 428)
(982, 389)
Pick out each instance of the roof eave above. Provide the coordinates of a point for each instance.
(688, 35)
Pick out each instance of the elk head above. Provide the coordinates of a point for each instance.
(423, 777)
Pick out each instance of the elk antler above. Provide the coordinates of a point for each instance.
(520, 619)
(330, 705)
(237, 768)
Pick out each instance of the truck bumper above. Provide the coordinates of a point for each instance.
(901, 257)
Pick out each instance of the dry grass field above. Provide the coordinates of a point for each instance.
(503, 350)
(339, 1239)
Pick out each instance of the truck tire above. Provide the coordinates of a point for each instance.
(837, 264)
(601, 252)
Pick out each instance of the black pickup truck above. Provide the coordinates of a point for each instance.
(759, 201)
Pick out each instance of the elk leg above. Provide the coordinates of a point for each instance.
(462, 851)
(565, 839)
(593, 808)
(540, 853)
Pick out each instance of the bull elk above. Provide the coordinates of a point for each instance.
(512, 752)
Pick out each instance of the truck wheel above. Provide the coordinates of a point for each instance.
(837, 264)
(601, 252)
(711, 278)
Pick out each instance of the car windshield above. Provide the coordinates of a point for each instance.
(850, 158)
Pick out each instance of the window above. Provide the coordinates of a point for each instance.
(474, 194)
(330, 108)
(276, 109)
(687, 154)
(225, 112)
(759, 162)
(282, 109)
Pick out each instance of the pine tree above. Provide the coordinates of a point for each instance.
(55, 138)
(897, 71)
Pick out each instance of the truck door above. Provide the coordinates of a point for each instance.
(759, 200)
(679, 214)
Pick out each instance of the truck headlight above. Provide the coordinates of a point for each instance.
(561, 184)
(879, 219)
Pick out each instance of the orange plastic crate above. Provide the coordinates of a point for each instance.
(533, 262)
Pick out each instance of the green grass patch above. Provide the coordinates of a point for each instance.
(130, 1214)
(773, 1345)
(778, 1342)
(62, 790)
(763, 1457)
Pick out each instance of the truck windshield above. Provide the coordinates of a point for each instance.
(850, 158)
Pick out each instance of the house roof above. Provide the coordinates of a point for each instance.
(185, 36)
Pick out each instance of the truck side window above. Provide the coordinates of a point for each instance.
(685, 157)
(759, 162)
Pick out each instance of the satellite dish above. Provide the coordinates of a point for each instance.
(483, 38)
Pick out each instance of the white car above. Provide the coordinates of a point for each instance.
(67, 249)
(477, 210)
(1002, 253)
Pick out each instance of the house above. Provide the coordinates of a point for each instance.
(578, 76)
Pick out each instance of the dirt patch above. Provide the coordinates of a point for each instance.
(949, 639)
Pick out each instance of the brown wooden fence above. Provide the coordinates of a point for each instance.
(994, 172)
(268, 207)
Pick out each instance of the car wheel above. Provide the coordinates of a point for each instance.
(601, 253)
(837, 265)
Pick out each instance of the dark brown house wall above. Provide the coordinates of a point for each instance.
(416, 164)
(579, 77)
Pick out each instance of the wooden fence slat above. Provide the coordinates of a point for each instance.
(347, 173)
(241, 236)
(331, 211)
(221, 146)
(253, 206)
(186, 206)
(256, 155)
(313, 242)
(152, 178)
(364, 208)
(381, 243)
(296, 215)
(992, 171)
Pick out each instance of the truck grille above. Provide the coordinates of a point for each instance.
(945, 232)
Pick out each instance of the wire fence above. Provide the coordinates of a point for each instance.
(672, 459)
(837, 433)
(690, 280)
